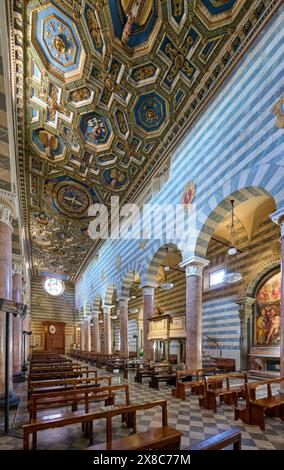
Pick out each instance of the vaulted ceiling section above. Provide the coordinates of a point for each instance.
(108, 89)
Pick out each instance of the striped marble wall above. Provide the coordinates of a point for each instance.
(234, 144)
(45, 307)
(233, 148)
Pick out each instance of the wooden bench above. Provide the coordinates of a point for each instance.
(39, 376)
(153, 439)
(225, 364)
(61, 420)
(142, 373)
(220, 441)
(227, 392)
(74, 397)
(255, 409)
(196, 386)
(43, 386)
(161, 373)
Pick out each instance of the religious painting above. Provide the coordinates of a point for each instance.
(188, 194)
(267, 319)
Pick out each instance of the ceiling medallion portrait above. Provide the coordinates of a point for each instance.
(110, 87)
(70, 197)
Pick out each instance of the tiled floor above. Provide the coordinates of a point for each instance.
(195, 423)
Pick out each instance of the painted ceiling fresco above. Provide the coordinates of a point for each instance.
(108, 86)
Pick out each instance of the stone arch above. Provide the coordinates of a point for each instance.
(87, 308)
(97, 303)
(157, 259)
(263, 272)
(252, 182)
(127, 281)
(109, 294)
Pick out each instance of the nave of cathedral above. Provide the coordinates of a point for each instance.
(141, 225)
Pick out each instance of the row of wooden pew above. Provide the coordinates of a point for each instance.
(208, 383)
(57, 382)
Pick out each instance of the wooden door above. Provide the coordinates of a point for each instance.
(54, 336)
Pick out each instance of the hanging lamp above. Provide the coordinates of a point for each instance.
(167, 285)
(232, 255)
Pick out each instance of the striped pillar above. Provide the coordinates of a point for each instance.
(278, 218)
(87, 332)
(246, 305)
(17, 321)
(107, 329)
(194, 277)
(148, 292)
(82, 336)
(6, 217)
(96, 345)
(123, 319)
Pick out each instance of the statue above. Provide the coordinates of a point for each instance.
(158, 311)
(136, 11)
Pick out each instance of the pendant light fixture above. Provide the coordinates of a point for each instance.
(133, 296)
(167, 285)
(231, 277)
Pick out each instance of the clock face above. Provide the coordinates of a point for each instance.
(52, 329)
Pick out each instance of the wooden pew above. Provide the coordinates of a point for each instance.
(74, 397)
(255, 409)
(58, 421)
(158, 438)
(43, 386)
(195, 385)
(61, 375)
(220, 441)
(227, 393)
(225, 364)
(161, 373)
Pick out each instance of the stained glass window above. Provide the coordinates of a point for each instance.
(54, 286)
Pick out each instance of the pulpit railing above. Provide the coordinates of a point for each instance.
(207, 351)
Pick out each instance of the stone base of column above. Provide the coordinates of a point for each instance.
(14, 400)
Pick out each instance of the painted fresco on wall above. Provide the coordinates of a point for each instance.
(267, 321)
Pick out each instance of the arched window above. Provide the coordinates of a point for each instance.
(54, 286)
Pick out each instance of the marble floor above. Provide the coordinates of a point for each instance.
(195, 423)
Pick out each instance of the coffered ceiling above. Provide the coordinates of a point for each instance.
(109, 87)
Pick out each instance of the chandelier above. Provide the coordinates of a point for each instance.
(166, 285)
(231, 277)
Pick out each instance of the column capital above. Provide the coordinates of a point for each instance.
(278, 218)
(107, 308)
(194, 266)
(123, 302)
(17, 268)
(246, 304)
(7, 207)
(148, 288)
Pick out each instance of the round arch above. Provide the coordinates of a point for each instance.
(97, 303)
(157, 260)
(221, 210)
(262, 274)
(127, 281)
